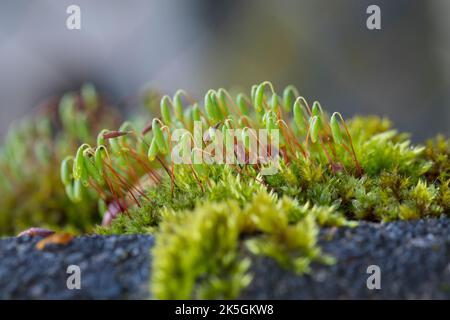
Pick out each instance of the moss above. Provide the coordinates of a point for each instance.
(32, 192)
(388, 152)
(197, 251)
(204, 216)
(208, 219)
(331, 174)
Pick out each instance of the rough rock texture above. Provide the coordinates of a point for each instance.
(111, 267)
(414, 258)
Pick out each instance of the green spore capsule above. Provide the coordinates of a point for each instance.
(211, 108)
(289, 94)
(253, 92)
(158, 135)
(188, 116)
(165, 110)
(196, 116)
(92, 169)
(101, 141)
(66, 170)
(316, 109)
(246, 138)
(79, 170)
(115, 145)
(314, 128)
(77, 191)
(298, 115)
(274, 103)
(178, 105)
(222, 93)
(259, 96)
(335, 128)
(67, 109)
(100, 154)
(242, 104)
(89, 95)
(271, 120)
(153, 150)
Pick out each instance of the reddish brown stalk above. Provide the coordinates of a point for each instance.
(247, 122)
(290, 135)
(358, 166)
(172, 169)
(114, 134)
(147, 128)
(131, 169)
(126, 185)
(98, 189)
(196, 177)
(240, 171)
(235, 107)
(150, 171)
(331, 163)
(163, 165)
(115, 196)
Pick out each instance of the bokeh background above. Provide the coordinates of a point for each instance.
(322, 47)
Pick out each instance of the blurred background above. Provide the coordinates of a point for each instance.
(322, 47)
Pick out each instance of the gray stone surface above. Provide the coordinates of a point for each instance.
(111, 268)
(414, 258)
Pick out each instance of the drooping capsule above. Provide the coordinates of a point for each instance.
(100, 154)
(222, 94)
(178, 105)
(153, 150)
(165, 110)
(79, 170)
(298, 115)
(274, 103)
(196, 116)
(335, 128)
(242, 105)
(314, 128)
(66, 170)
(77, 191)
(259, 97)
(158, 135)
(101, 138)
(89, 95)
(289, 94)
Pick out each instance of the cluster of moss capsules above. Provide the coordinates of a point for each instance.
(330, 173)
(33, 148)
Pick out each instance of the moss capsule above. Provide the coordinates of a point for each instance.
(289, 94)
(242, 104)
(196, 116)
(259, 96)
(159, 136)
(79, 171)
(165, 110)
(298, 114)
(178, 105)
(153, 150)
(335, 128)
(314, 128)
(66, 170)
(77, 191)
